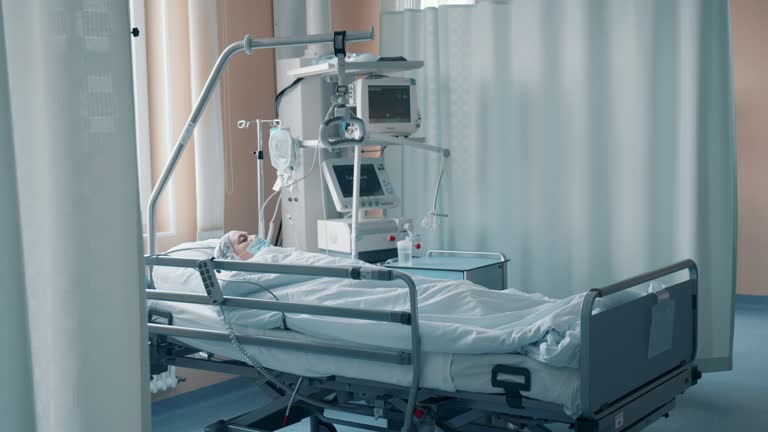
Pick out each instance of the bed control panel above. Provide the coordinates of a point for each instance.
(210, 282)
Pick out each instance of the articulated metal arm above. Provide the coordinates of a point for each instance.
(248, 45)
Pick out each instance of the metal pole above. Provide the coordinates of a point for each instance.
(370, 354)
(260, 177)
(355, 199)
(379, 315)
(413, 393)
(247, 45)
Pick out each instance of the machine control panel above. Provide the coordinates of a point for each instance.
(376, 189)
(376, 238)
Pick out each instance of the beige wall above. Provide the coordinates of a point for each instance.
(357, 15)
(248, 93)
(750, 63)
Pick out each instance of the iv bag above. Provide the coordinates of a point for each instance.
(281, 149)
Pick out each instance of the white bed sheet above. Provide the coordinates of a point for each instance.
(454, 316)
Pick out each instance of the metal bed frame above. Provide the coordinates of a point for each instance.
(623, 388)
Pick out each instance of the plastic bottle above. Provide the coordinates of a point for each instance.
(405, 252)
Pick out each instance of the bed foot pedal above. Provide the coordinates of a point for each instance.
(513, 380)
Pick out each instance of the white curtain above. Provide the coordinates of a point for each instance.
(71, 102)
(17, 409)
(592, 140)
(209, 148)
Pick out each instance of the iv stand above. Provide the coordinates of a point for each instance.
(244, 124)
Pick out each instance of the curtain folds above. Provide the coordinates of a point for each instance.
(209, 148)
(591, 140)
(182, 47)
(17, 408)
(71, 102)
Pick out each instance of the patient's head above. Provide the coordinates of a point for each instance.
(234, 245)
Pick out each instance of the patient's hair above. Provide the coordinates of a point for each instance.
(224, 249)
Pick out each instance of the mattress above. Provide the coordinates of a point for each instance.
(440, 371)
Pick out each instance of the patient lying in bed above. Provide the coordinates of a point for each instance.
(455, 316)
(239, 245)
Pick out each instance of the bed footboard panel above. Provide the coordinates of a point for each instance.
(632, 344)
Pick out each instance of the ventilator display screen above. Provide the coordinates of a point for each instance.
(369, 180)
(389, 104)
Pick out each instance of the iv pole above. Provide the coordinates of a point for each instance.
(244, 124)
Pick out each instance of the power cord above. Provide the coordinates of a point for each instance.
(285, 323)
(266, 373)
(431, 220)
(173, 251)
(283, 92)
(290, 402)
(263, 207)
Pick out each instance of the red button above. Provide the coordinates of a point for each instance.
(418, 246)
(392, 238)
(418, 413)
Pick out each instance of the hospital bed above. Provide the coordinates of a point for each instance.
(635, 359)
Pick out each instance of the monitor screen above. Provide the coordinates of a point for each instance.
(389, 104)
(369, 180)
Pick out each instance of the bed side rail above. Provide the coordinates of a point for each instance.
(410, 318)
(628, 346)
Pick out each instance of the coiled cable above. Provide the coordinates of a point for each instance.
(266, 373)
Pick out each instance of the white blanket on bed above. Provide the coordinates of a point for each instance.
(456, 317)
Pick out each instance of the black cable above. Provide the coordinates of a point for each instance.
(281, 93)
(279, 235)
(252, 283)
(168, 253)
(282, 314)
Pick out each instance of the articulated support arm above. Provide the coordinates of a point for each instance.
(247, 45)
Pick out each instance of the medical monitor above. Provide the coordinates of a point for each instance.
(376, 190)
(387, 105)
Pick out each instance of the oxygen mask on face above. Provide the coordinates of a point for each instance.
(256, 245)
